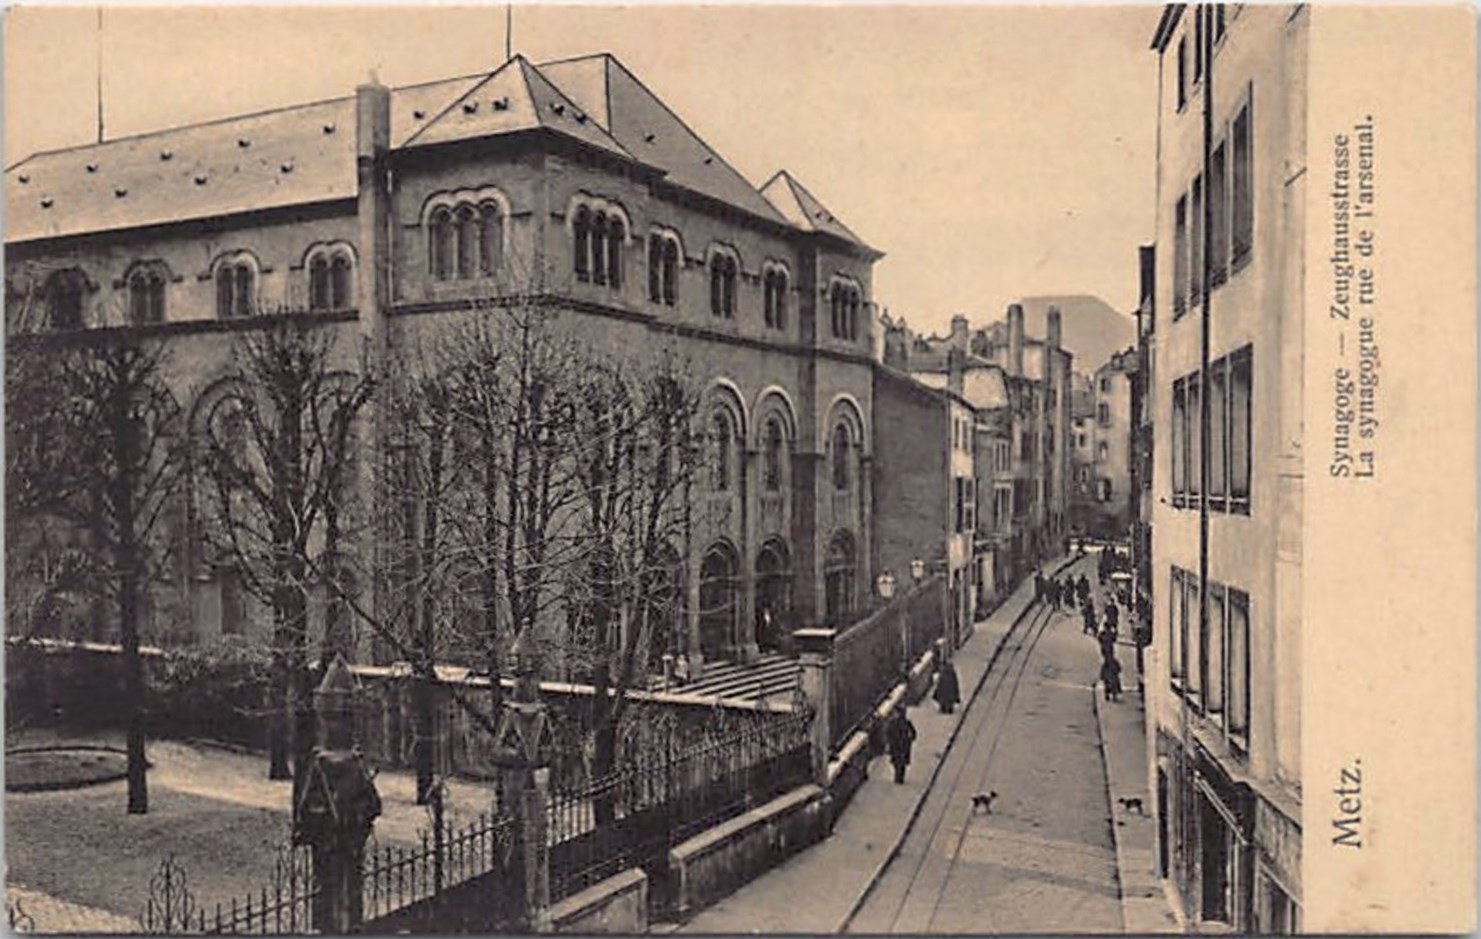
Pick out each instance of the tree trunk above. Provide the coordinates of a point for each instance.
(133, 681)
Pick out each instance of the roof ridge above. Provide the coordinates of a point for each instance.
(605, 131)
(685, 124)
(488, 77)
(181, 127)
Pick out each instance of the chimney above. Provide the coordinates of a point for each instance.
(956, 366)
(1147, 254)
(372, 119)
(1015, 340)
(959, 332)
(372, 141)
(1053, 336)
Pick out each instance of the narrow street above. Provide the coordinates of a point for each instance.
(1044, 858)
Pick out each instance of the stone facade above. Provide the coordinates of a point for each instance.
(1224, 666)
(541, 162)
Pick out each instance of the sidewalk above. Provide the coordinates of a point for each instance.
(1123, 742)
(818, 890)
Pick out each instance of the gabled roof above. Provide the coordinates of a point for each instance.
(260, 161)
(514, 98)
(306, 153)
(803, 209)
(651, 132)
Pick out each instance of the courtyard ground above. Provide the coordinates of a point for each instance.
(74, 858)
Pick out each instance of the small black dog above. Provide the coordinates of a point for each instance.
(1132, 804)
(983, 801)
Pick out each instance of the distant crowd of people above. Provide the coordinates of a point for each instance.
(1071, 592)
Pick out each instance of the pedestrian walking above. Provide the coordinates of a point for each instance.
(1088, 613)
(1107, 639)
(1110, 677)
(899, 736)
(1038, 587)
(948, 688)
(1113, 616)
(1084, 588)
(1054, 593)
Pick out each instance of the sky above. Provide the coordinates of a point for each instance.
(992, 152)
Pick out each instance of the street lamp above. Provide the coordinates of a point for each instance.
(885, 584)
(918, 570)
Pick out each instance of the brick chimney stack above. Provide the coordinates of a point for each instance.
(1053, 336)
(1015, 339)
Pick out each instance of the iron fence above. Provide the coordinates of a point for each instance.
(875, 653)
(394, 876)
(633, 816)
(282, 906)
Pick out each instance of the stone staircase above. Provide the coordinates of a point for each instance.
(771, 676)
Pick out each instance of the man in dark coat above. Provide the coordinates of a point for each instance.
(1110, 677)
(1107, 639)
(1088, 612)
(899, 736)
(948, 689)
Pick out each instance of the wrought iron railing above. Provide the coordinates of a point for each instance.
(396, 876)
(633, 816)
(282, 906)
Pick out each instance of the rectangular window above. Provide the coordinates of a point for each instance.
(1182, 72)
(1177, 626)
(1218, 235)
(1243, 195)
(1197, 46)
(1195, 244)
(1239, 666)
(1179, 448)
(1192, 628)
(1241, 393)
(1218, 434)
(1213, 653)
(1195, 438)
(1180, 258)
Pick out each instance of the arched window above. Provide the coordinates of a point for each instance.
(319, 283)
(729, 282)
(656, 244)
(615, 233)
(717, 576)
(665, 611)
(492, 239)
(469, 251)
(773, 593)
(330, 280)
(774, 442)
(722, 438)
(236, 288)
(670, 271)
(441, 243)
(835, 310)
(838, 578)
(776, 298)
(717, 295)
(599, 248)
(339, 282)
(581, 232)
(842, 454)
(147, 295)
(65, 291)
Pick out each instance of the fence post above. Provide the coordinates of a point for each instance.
(815, 652)
(337, 807)
(522, 748)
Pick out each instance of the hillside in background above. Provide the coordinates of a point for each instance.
(1092, 329)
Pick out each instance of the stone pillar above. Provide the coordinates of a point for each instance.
(815, 653)
(337, 807)
(807, 600)
(522, 748)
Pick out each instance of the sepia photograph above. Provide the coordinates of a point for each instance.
(883, 469)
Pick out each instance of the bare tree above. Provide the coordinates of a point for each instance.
(635, 448)
(93, 443)
(278, 458)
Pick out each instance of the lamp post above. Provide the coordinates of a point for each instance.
(885, 584)
(917, 571)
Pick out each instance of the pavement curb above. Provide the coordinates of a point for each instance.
(920, 802)
(1134, 919)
